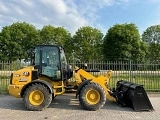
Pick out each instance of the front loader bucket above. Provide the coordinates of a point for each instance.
(132, 95)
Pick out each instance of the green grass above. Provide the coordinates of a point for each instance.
(150, 82)
(4, 85)
(4, 77)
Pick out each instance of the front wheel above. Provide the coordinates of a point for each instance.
(92, 97)
(37, 97)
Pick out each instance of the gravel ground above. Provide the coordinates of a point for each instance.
(66, 107)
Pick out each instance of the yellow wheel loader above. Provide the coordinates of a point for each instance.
(49, 75)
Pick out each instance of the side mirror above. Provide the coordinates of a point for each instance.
(69, 67)
(85, 65)
(69, 71)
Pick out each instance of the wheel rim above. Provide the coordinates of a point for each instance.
(36, 97)
(92, 97)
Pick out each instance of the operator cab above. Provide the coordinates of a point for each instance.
(51, 62)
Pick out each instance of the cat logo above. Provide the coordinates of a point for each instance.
(25, 73)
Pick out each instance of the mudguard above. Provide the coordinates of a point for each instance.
(81, 85)
(37, 81)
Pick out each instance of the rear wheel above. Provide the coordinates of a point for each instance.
(37, 97)
(92, 96)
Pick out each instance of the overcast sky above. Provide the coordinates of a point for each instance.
(72, 14)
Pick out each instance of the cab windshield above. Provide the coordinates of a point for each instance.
(49, 58)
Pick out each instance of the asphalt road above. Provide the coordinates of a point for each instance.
(66, 107)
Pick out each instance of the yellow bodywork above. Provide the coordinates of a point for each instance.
(15, 90)
(19, 79)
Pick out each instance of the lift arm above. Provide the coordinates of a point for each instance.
(103, 81)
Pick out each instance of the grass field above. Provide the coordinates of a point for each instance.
(4, 85)
(150, 82)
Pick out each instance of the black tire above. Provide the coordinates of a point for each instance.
(37, 97)
(53, 97)
(89, 102)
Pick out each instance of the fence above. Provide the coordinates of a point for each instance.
(146, 74)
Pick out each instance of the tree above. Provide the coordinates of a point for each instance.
(47, 35)
(122, 42)
(87, 43)
(56, 36)
(151, 36)
(16, 40)
(63, 38)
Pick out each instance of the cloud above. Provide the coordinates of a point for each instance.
(42, 12)
(90, 10)
(71, 14)
(4, 9)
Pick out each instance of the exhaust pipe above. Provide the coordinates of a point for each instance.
(132, 95)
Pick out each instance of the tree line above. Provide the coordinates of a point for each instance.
(121, 42)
